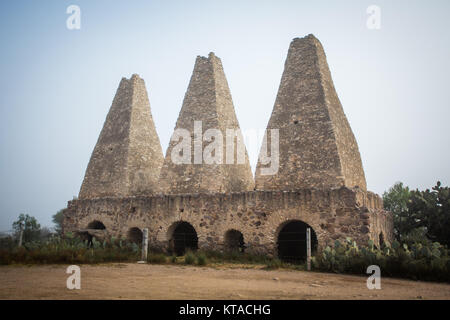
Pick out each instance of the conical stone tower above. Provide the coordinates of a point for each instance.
(317, 148)
(207, 106)
(127, 158)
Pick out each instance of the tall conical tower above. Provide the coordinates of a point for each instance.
(207, 106)
(127, 158)
(317, 148)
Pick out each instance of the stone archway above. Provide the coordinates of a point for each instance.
(182, 237)
(96, 225)
(234, 241)
(291, 241)
(95, 229)
(135, 235)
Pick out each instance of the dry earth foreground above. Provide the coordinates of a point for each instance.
(136, 281)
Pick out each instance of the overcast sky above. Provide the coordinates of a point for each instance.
(57, 84)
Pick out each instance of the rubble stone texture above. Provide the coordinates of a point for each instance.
(320, 180)
(127, 158)
(208, 100)
(316, 144)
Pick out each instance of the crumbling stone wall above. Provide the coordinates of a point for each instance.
(333, 214)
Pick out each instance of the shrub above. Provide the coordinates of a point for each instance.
(69, 249)
(189, 258)
(201, 259)
(419, 262)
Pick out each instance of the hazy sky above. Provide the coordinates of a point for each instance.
(58, 84)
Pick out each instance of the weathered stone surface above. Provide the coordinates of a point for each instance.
(320, 182)
(317, 147)
(212, 215)
(127, 157)
(208, 100)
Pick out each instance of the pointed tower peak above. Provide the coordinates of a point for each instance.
(207, 102)
(210, 58)
(135, 76)
(317, 148)
(128, 156)
(307, 37)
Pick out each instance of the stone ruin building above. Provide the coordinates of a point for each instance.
(129, 185)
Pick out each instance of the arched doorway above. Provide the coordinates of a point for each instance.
(135, 235)
(291, 242)
(182, 237)
(90, 234)
(234, 241)
(97, 225)
(381, 240)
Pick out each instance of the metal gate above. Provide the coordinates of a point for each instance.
(292, 246)
(183, 241)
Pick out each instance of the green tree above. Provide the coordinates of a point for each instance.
(57, 219)
(31, 228)
(431, 210)
(396, 200)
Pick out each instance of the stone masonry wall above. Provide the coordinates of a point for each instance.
(316, 145)
(208, 100)
(320, 181)
(127, 157)
(259, 215)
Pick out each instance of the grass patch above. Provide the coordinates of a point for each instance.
(189, 258)
(157, 258)
(201, 259)
(273, 264)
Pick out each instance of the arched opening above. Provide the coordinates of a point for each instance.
(96, 225)
(182, 238)
(234, 241)
(89, 235)
(135, 235)
(381, 240)
(291, 241)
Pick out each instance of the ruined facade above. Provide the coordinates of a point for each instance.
(319, 183)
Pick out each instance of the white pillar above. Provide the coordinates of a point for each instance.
(144, 244)
(308, 249)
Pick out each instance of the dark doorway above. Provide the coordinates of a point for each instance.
(381, 240)
(135, 236)
(292, 242)
(184, 238)
(96, 225)
(234, 241)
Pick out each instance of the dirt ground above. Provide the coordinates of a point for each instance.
(142, 281)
